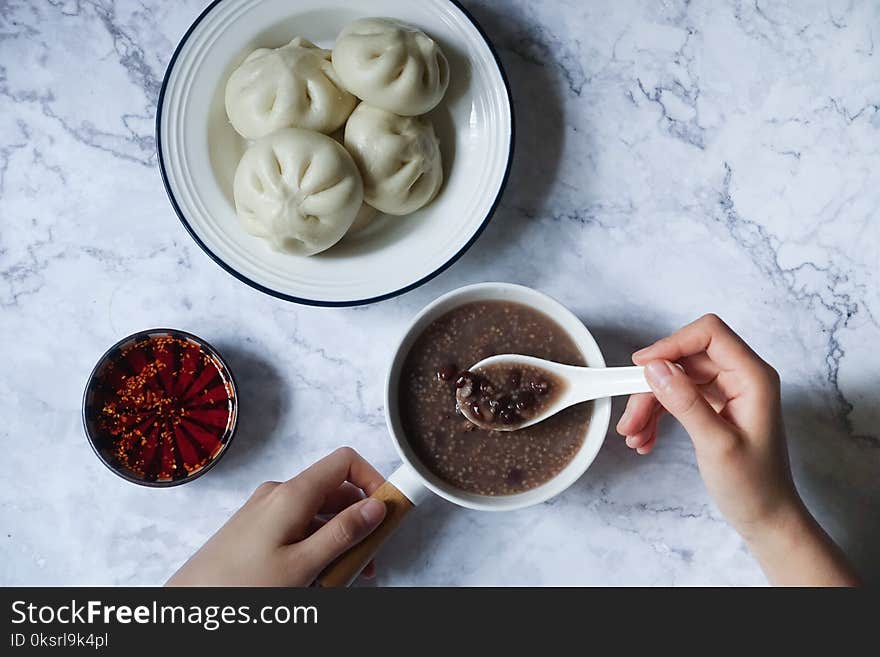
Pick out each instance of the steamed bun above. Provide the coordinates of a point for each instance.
(290, 87)
(391, 65)
(364, 219)
(298, 189)
(398, 157)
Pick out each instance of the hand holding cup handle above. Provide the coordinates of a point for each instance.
(345, 569)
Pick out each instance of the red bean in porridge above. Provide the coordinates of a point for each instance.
(505, 396)
(470, 458)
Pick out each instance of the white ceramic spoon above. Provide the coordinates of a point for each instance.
(569, 385)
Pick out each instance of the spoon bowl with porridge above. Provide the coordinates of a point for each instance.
(510, 392)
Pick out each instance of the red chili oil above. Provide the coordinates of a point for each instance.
(162, 407)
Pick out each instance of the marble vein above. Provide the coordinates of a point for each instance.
(673, 158)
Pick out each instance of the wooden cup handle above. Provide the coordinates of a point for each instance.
(345, 569)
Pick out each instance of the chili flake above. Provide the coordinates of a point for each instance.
(164, 407)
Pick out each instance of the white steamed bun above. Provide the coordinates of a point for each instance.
(298, 189)
(398, 157)
(294, 86)
(364, 219)
(391, 65)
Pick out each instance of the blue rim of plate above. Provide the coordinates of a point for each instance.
(318, 302)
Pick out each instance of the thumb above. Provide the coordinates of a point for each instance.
(680, 396)
(345, 530)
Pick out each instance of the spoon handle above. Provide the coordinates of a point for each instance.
(594, 382)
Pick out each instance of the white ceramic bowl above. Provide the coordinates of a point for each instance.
(199, 151)
(413, 478)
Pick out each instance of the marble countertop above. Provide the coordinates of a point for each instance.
(672, 159)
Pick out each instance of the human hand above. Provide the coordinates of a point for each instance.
(728, 400)
(278, 539)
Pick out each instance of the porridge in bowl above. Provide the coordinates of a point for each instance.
(458, 452)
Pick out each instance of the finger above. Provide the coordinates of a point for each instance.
(648, 447)
(302, 497)
(642, 438)
(700, 368)
(314, 525)
(637, 413)
(344, 496)
(708, 334)
(344, 464)
(369, 571)
(681, 397)
(264, 489)
(713, 394)
(647, 433)
(343, 531)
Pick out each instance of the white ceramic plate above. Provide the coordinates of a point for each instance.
(199, 150)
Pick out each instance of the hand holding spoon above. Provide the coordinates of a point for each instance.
(512, 391)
